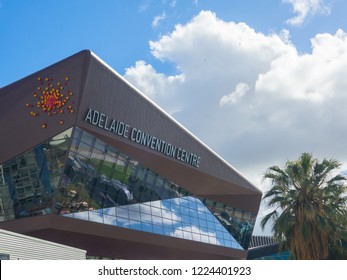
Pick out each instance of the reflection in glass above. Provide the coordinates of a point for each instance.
(155, 216)
(101, 184)
(30, 180)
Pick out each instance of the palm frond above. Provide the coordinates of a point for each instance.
(310, 207)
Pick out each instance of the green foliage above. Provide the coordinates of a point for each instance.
(309, 211)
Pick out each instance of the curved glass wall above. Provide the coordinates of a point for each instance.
(103, 185)
(29, 181)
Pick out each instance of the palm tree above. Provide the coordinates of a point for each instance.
(309, 208)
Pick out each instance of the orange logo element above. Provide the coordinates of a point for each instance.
(52, 99)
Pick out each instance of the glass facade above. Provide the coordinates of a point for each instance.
(28, 182)
(99, 183)
(102, 184)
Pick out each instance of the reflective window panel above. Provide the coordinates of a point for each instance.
(171, 217)
(29, 181)
(104, 185)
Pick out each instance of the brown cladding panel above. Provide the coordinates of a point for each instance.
(20, 131)
(111, 95)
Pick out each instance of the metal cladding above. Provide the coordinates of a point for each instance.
(83, 92)
(22, 247)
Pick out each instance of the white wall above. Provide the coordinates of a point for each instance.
(23, 247)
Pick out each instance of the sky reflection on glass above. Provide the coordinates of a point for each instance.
(104, 185)
(184, 217)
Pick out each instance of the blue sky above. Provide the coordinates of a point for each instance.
(259, 82)
(37, 33)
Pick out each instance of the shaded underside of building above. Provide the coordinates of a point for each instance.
(266, 248)
(88, 161)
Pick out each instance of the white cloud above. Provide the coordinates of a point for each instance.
(305, 8)
(314, 77)
(294, 102)
(158, 19)
(235, 96)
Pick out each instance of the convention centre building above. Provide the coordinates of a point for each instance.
(88, 161)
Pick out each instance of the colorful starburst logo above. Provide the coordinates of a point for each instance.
(52, 98)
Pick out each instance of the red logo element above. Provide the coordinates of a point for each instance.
(52, 99)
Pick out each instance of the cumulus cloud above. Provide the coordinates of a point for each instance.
(305, 8)
(235, 96)
(252, 97)
(311, 77)
(158, 19)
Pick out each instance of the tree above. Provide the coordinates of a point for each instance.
(309, 213)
